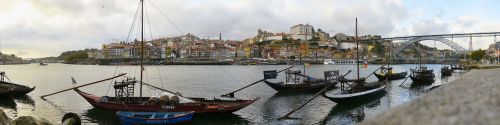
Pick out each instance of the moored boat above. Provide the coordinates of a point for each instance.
(156, 118)
(458, 67)
(356, 89)
(446, 71)
(348, 96)
(422, 75)
(297, 82)
(388, 74)
(139, 104)
(125, 98)
(17, 90)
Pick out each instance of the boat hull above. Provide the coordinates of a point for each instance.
(302, 87)
(446, 72)
(346, 98)
(422, 79)
(201, 106)
(157, 118)
(394, 76)
(18, 90)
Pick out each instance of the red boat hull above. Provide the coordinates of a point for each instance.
(201, 106)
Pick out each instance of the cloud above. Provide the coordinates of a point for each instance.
(435, 26)
(34, 28)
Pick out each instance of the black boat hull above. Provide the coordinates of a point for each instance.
(446, 72)
(422, 79)
(341, 99)
(394, 76)
(18, 90)
(301, 87)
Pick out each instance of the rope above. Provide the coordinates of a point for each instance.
(133, 22)
(149, 24)
(168, 19)
(111, 82)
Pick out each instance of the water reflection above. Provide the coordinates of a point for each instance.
(107, 117)
(99, 116)
(8, 103)
(271, 106)
(281, 103)
(353, 112)
(25, 99)
(218, 119)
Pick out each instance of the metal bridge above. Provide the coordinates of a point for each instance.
(443, 38)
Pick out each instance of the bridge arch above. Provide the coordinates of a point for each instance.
(418, 39)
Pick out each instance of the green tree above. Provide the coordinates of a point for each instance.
(477, 55)
(75, 56)
(378, 48)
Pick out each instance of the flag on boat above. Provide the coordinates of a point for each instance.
(73, 80)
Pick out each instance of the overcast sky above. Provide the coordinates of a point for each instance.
(39, 28)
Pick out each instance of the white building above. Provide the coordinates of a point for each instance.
(302, 32)
(347, 45)
(301, 37)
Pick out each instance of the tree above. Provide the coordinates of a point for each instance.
(75, 56)
(477, 55)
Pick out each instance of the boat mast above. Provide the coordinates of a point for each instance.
(142, 46)
(303, 63)
(390, 55)
(357, 48)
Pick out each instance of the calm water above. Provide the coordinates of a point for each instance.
(202, 81)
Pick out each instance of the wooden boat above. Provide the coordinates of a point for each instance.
(17, 90)
(422, 75)
(138, 104)
(387, 74)
(125, 99)
(446, 71)
(156, 118)
(458, 67)
(346, 96)
(355, 89)
(297, 82)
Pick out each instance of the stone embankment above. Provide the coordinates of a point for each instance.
(473, 99)
(23, 120)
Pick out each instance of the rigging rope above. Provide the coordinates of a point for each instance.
(149, 24)
(133, 22)
(168, 19)
(111, 82)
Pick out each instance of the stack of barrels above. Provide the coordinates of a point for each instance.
(163, 100)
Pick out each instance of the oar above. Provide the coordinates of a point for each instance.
(231, 94)
(407, 77)
(119, 75)
(286, 116)
(375, 71)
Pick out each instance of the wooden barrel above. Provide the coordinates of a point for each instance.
(174, 100)
(164, 99)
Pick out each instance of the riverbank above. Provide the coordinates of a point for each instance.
(470, 100)
(23, 120)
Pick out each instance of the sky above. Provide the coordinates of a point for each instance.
(41, 28)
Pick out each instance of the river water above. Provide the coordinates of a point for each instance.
(203, 81)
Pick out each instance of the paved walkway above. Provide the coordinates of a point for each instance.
(473, 99)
